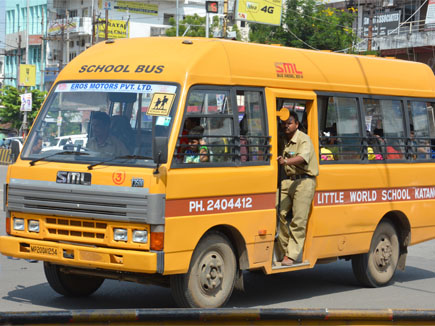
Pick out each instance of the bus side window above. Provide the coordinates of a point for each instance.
(209, 111)
(253, 139)
(422, 130)
(385, 128)
(340, 134)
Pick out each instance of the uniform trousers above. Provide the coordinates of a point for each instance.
(297, 196)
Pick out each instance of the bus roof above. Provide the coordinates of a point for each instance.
(214, 61)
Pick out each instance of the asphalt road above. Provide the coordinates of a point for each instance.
(23, 287)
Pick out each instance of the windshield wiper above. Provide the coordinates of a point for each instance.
(126, 157)
(32, 163)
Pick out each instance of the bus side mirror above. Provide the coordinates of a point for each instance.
(15, 150)
(160, 149)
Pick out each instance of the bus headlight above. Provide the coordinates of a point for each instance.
(19, 224)
(140, 236)
(33, 226)
(120, 235)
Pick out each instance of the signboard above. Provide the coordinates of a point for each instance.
(430, 14)
(260, 11)
(59, 26)
(27, 75)
(116, 29)
(133, 7)
(161, 104)
(26, 102)
(107, 5)
(383, 24)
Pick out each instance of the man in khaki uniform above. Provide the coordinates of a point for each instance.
(297, 189)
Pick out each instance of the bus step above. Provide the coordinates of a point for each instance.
(277, 265)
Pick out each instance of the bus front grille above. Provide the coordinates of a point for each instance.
(76, 228)
(82, 201)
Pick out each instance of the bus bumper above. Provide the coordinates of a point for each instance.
(79, 256)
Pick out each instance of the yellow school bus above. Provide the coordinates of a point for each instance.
(136, 200)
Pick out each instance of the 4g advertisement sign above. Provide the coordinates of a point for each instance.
(260, 11)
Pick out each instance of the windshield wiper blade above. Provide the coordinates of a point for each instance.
(126, 157)
(32, 163)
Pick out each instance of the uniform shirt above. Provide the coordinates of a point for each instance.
(301, 145)
(111, 147)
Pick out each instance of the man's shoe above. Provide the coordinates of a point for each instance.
(287, 261)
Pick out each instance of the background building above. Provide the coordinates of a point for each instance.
(404, 29)
(25, 28)
(47, 34)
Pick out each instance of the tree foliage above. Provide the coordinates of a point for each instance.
(307, 24)
(195, 26)
(11, 102)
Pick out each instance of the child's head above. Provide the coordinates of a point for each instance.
(194, 137)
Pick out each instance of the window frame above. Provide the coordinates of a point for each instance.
(232, 91)
(404, 100)
(408, 114)
(360, 125)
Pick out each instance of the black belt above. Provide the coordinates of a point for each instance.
(299, 176)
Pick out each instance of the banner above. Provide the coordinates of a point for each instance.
(260, 11)
(430, 14)
(26, 102)
(132, 7)
(27, 75)
(383, 24)
(116, 29)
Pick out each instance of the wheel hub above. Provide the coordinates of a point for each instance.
(211, 272)
(383, 253)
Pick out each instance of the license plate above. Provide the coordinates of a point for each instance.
(42, 250)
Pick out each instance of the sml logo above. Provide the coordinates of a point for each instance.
(287, 70)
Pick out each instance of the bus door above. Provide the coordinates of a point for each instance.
(303, 103)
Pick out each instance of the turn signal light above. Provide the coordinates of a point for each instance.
(8, 225)
(157, 241)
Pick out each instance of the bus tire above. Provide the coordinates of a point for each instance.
(211, 276)
(377, 267)
(71, 285)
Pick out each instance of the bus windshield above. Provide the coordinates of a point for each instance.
(107, 122)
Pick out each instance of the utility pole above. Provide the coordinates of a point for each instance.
(67, 37)
(41, 82)
(176, 20)
(93, 27)
(27, 32)
(106, 28)
(127, 29)
(62, 33)
(370, 33)
(224, 25)
(19, 59)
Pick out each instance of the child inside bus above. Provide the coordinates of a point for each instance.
(197, 151)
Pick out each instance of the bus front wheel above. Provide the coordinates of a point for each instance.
(71, 285)
(377, 267)
(211, 276)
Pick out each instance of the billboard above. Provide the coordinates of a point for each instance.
(383, 24)
(27, 75)
(259, 11)
(430, 15)
(115, 29)
(132, 7)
